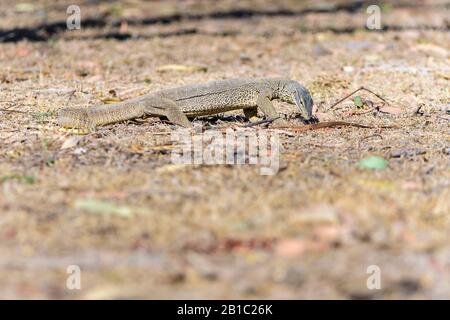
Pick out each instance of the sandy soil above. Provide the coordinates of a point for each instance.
(138, 226)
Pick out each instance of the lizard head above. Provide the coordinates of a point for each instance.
(294, 93)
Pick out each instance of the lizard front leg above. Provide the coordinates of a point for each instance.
(268, 109)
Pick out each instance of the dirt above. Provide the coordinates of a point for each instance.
(138, 226)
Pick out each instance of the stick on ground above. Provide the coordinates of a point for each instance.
(352, 93)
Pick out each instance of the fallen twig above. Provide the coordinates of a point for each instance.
(368, 137)
(361, 113)
(352, 93)
(330, 124)
(443, 118)
(12, 110)
(265, 121)
(407, 153)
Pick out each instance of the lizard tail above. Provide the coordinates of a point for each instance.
(99, 115)
(75, 118)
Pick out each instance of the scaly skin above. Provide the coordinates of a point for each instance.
(177, 104)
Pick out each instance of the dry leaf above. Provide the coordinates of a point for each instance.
(71, 142)
(391, 110)
(181, 68)
(431, 49)
(172, 168)
(106, 207)
(110, 100)
(319, 214)
(290, 247)
(104, 293)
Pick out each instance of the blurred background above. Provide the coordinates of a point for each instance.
(347, 204)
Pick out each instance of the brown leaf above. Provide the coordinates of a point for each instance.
(391, 110)
(181, 68)
(291, 247)
(71, 142)
(111, 100)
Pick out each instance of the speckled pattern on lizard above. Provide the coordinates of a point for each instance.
(179, 104)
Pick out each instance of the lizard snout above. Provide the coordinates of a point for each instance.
(304, 102)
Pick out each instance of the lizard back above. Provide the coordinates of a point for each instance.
(219, 95)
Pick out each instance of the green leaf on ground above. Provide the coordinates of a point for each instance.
(358, 102)
(105, 207)
(22, 178)
(373, 163)
(25, 7)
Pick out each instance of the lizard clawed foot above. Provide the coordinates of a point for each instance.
(254, 119)
(311, 120)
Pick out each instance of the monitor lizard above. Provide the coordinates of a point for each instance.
(179, 104)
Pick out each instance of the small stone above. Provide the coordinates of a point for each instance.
(349, 69)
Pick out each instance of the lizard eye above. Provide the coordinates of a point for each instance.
(299, 99)
(302, 101)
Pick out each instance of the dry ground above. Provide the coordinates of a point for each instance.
(165, 231)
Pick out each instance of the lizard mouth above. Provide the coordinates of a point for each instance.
(304, 105)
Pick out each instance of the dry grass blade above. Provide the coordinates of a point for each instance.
(330, 124)
(12, 110)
